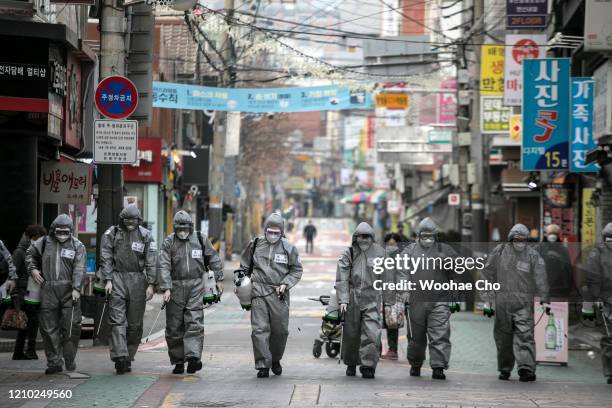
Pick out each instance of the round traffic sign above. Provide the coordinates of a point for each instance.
(116, 97)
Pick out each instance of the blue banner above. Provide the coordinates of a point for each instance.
(582, 125)
(259, 100)
(546, 114)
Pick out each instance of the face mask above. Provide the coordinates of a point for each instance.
(62, 237)
(426, 242)
(272, 237)
(130, 225)
(182, 234)
(391, 248)
(519, 246)
(552, 238)
(32, 241)
(364, 243)
(608, 242)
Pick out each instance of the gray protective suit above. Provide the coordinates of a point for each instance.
(128, 259)
(273, 265)
(7, 259)
(598, 280)
(182, 269)
(355, 287)
(522, 276)
(62, 266)
(428, 311)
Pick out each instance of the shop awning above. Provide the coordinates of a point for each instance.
(356, 198)
(419, 205)
(377, 196)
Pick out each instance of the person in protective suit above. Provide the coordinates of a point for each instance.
(276, 269)
(360, 303)
(184, 259)
(57, 263)
(428, 312)
(558, 264)
(598, 281)
(521, 272)
(128, 257)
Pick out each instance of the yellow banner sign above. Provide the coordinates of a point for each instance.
(587, 233)
(492, 70)
(392, 100)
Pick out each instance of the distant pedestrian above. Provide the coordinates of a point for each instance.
(310, 232)
(31, 234)
(390, 298)
(558, 264)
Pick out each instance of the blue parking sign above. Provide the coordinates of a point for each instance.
(546, 114)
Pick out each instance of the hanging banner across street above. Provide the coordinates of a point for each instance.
(261, 100)
(582, 125)
(518, 48)
(546, 114)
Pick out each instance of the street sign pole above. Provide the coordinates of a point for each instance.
(110, 176)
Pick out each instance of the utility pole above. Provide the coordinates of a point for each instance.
(110, 176)
(479, 156)
(216, 179)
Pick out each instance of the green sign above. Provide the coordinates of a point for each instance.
(440, 136)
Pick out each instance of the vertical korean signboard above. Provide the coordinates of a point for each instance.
(546, 114)
(492, 70)
(582, 125)
(519, 48)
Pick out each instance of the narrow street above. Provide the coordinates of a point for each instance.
(228, 378)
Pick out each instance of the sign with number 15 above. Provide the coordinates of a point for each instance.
(546, 114)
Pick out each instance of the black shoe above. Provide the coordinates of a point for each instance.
(121, 366)
(263, 373)
(31, 355)
(610, 380)
(179, 369)
(366, 372)
(53, 370)
(415, 371)
(351, 371)
(128, 369)
(438, 374)
(526, 375)
(277, 368)
(19, 356)
(193, 365)
(504, 375)
(71, 366)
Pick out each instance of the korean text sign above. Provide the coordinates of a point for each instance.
(259, 100)
(519, 47)
(582, 125)
(546, 114)
(65, 183)
(492, 70)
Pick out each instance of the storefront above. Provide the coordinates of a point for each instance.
(45, 78)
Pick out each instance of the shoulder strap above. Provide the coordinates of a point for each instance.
(251, 265)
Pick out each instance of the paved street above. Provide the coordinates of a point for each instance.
(228, 378)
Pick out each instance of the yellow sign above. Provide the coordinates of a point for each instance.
(492, 70)
(516, 127)
(588, 232)
(392, 100)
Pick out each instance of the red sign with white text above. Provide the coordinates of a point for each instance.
(149, 166)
